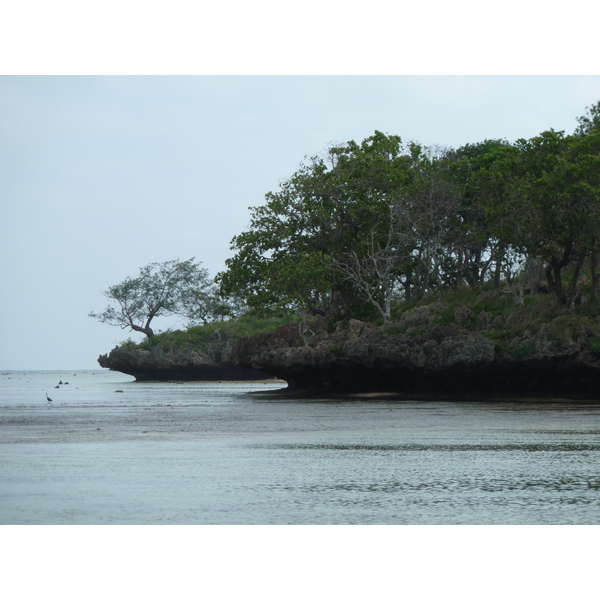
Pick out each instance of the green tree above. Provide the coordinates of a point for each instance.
(369, 222)
(428, 209)
(333, 211)
(558, 199)
(161, 289)
(590, 121)
(486, 173)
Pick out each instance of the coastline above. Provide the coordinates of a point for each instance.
(432, 351)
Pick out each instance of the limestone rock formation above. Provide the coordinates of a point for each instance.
(417, 355)
(430, 351)
(185, 365)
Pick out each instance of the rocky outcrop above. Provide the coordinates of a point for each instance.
(430, 351)
(418, 355)
(157, 364)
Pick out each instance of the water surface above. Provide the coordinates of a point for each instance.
(211, 453)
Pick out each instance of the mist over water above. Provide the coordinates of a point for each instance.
(211, 453)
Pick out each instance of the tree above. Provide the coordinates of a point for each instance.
(161, 289)
(376, 221)
(590, 121)
(560, 194)
(376, 271)
(485, 171)
(429, 209)
(303, 244)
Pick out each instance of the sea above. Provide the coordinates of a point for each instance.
(107, 450)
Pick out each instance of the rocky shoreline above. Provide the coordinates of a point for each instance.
(439, 360)
(158, 365)
(415, 355)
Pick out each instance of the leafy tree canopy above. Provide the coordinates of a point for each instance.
(366, 225)
(161, 289)
(378, 220)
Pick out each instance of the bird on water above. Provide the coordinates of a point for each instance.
(48, 397)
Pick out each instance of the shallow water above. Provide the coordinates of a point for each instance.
(210, 453)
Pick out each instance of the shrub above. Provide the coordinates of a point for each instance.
(199, 337)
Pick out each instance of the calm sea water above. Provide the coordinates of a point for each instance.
(211, 453)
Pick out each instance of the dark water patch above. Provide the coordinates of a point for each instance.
(525, 447)
(445, 486)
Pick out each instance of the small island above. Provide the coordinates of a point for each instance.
(391, 267)
(452, 349)
(201, 353)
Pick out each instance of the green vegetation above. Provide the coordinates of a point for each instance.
(504, 236)
(161, 289)
(198, 338)
(370, 225)
(516, 329)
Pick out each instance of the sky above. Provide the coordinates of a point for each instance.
(134, 134)
(101, 175)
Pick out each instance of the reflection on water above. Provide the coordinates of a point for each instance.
(203, 453)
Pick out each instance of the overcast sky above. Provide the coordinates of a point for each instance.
(102, 175)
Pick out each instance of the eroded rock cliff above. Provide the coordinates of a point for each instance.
(157, 364)
(433, 350)
(419, 355)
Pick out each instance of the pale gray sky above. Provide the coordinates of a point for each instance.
(101, 175)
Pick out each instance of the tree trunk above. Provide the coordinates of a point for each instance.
(554, 275)
(554, 279)
(498, 268)
(145, 330)
(408, 290)
(573, 286)
(594, 267)
(387, 311)
(497, 273)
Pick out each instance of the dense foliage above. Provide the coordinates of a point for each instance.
(372, 225)
(369, 230)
